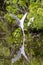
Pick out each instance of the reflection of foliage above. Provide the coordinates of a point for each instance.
(12, 37)
(3, 5)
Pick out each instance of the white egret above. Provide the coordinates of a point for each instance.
(31, 19)
(20, 22)
(21, 51)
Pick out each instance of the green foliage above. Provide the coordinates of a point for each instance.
(36, 11)
(13, 39)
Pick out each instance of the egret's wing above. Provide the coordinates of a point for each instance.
(22, 21)
(17, 57)
(23, 18)
(15, 17)
(26, 57)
